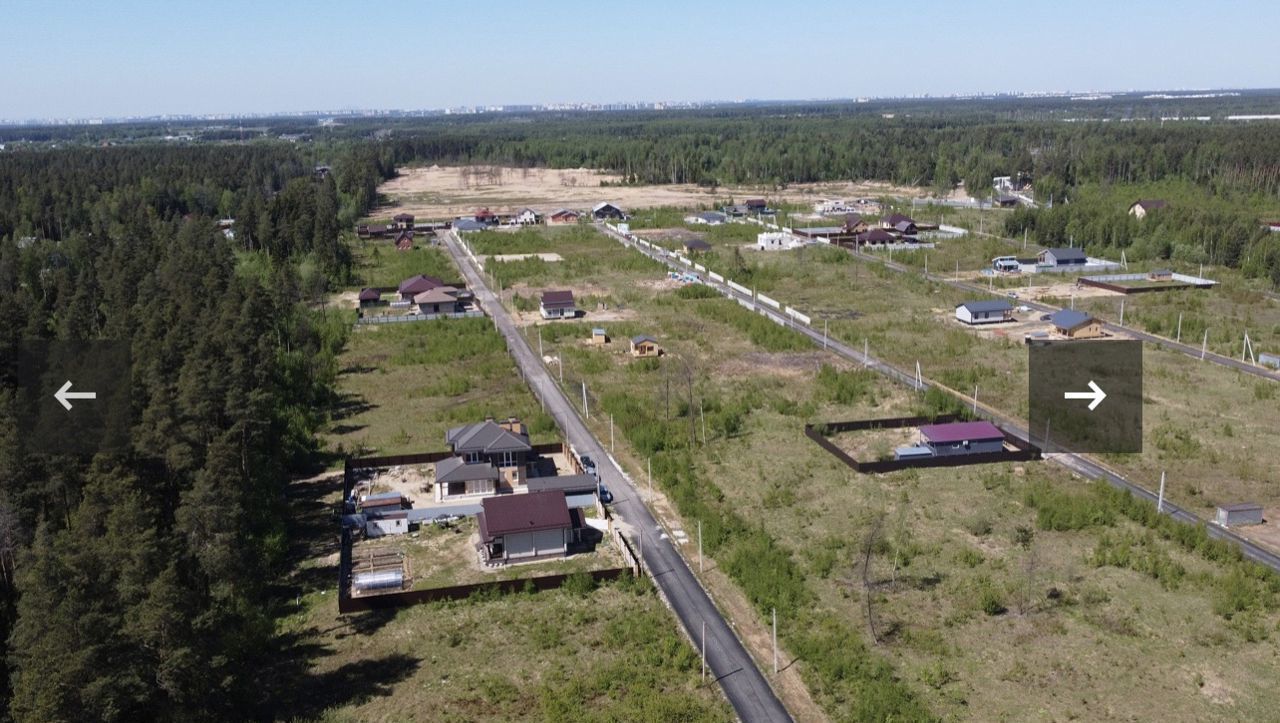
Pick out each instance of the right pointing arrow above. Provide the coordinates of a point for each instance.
(1097, 395)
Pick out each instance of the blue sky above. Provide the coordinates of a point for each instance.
(74, 58)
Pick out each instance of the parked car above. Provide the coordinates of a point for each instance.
(1013, 294)
(445, 519)
(605, 495)
(589, 466)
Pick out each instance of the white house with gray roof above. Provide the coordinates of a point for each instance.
(992, 311)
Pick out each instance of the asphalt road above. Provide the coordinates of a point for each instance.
(728, 661)
(1188, 349)
(1077, 463)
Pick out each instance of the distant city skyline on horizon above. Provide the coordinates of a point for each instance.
(148, 59)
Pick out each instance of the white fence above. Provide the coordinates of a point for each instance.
(746, 304)
(769, 302)
(739, 288)
(798, 316)
(715, 277)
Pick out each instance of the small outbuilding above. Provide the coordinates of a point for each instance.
(558, 305)
(1269, 360)
(369, 297)
(599, 336)
(391, 523)
(956, 438)
(1062, 257)
(1160, 275)
(1238, 515)
(991, 311)
(645, 346)
(1072, 324)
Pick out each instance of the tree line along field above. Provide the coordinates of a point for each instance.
(1000, 592)
(586, 652)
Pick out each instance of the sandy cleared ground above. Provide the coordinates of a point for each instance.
(548, 257)
(441, 192)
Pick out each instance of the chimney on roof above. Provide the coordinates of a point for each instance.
(513, 424)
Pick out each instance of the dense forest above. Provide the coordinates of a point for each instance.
(138, 585)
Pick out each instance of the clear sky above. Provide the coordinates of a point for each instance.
(87, 58)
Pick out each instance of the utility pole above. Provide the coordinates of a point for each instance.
(866, 359)
(540, 354)
(975, 400)
(1122, 312)
(651, 478)
(703, 415)
(1160, 500)
(585, 414)
(699, 547)
(611, 434)
(1204, 344)
(824, 334)
(1179, 339)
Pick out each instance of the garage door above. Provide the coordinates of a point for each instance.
(519, 545)
(549, 541)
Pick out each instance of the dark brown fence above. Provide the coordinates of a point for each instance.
(1025, 451)
(348, 603)
(1086, 281)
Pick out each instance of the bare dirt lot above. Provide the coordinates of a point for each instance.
(440, 192)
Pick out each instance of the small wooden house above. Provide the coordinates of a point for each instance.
(599, 336)
(1072, 324)
(645, 346)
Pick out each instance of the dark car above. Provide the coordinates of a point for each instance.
(589, 466)
(605, 495)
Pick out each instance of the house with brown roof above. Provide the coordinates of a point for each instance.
(404, 241)
(1142, 207)
(563, 216)
(369, 297)
(558, 305)
(876, 236)
(403, 221)
(531, 526)
(415, 285)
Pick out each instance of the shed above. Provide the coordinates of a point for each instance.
(956, 438)
(599, 335)
(558, 305)
(527, 526)
(370, 297)
(984, 312)
(1063, 257)
(645, 346)
(1246, 513)
(1074, 324)
(1269, 360)
(392, 523)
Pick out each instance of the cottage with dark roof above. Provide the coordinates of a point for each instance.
(563, 217)
(415, 285)
(605, 211)
(403, 221)
(558, 305)
(525, 527)
(370, 297)
(696, 245)
(1062, 257)
(962, 438)
(489, 457)
(1072, 324)
(984, 312)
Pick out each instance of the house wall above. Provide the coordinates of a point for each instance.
(528, 545)
(383, 527)
(946, 450)
(1092, 330)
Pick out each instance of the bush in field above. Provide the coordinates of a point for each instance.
(846, 388)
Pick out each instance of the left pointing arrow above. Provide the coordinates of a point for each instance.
(65, 393)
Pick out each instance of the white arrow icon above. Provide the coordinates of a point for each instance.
(62, 395)
(1097, 395)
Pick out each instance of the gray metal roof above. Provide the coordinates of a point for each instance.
(569, 483)
(487, 437)
(1067, 254)
(1240, 507)
(986, 307)
(1068, 319)
(455, 469)
(643, 338)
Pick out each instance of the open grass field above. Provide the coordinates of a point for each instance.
(997, 592)
(583, 652)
